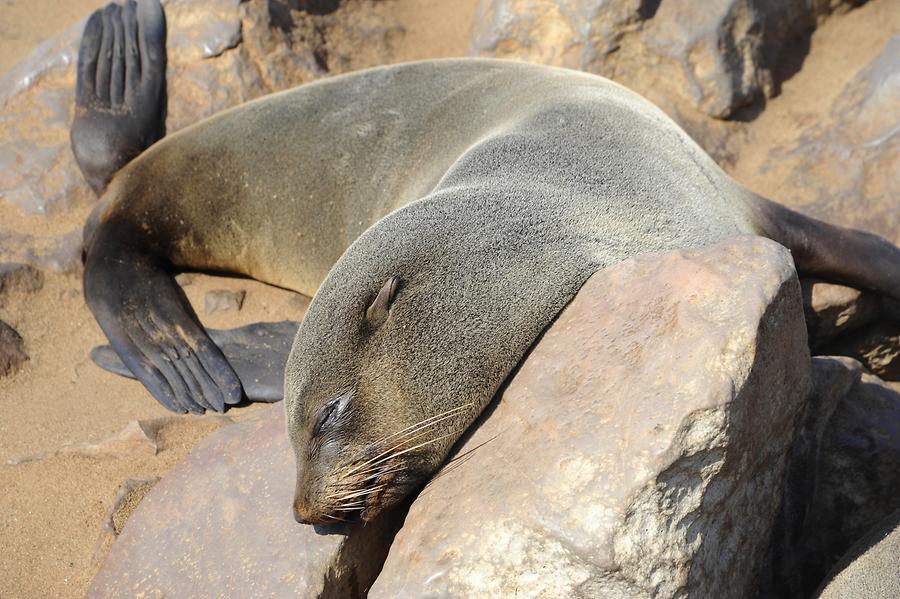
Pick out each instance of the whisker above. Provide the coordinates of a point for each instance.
(410, 430)
(426, 421)
(387, 451)
(421, 425)
(400, 453)
(335, 518)
(356, 494)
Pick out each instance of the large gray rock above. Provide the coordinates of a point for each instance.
(220, 525)
(843, 474)
(639, 450)
(724, 53)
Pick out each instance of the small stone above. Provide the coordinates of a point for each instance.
(223, 300)
(19, 278)
(12, 350)
(185, 278)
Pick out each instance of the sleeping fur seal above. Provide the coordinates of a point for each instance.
(443, 213)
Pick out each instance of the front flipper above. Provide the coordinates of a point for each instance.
(120, 99)
(150, 324)
(257, 352)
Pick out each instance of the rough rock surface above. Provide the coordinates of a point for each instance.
(638, 451)
(846, 168)
(223, 300)
(876, 346)
(843, 474)
(832, 310)
(12, 350)
(220, 525)
(725, 51)
(871, 570)
(221, 53)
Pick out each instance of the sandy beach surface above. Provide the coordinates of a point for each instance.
(53, 504)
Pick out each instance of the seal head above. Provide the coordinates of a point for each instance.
(405, 343)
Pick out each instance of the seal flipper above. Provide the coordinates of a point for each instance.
(257, 352)
(120, 99)
(849, 256)
(150, 324)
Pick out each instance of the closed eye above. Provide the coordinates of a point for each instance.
(330, 414)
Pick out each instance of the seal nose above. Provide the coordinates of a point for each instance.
(302, 514)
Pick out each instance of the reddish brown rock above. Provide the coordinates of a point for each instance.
(638, 451)
(220, 525)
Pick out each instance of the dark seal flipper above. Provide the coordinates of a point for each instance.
(257, 352)
(120, 99)
(848, 256)
(151, 325)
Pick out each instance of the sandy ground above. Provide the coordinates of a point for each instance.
(51, 509)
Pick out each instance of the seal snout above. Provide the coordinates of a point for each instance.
(303, 515)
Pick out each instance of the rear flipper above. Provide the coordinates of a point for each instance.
(120, 99)
(257, 352)
(849, 256)
(150, 324)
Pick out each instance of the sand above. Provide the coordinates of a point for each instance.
(52, 509)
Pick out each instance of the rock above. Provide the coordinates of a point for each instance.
(127, 498)
(12, 350)
(832, 310)
(577, 34)
(299, 304)
(725, 54)
(846, 168)
(877, 346)
(843, 475)
(220, 525)
(871, 570)
(137, 435)
(185, 279)
(222, 300)
(639, 449)
(19, 278)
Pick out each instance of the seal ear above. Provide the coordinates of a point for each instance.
(377, 313)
